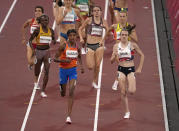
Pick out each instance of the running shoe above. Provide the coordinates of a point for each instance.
(83, 52)
(68, 120)
(114, 86)
(58, 40)
(94, 85)
(43, 94)
(127, 115)
(37, 87)
(30, 67)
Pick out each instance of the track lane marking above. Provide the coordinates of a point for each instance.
(33, 94)
(100, 77)
(160, 68)
(7, 16)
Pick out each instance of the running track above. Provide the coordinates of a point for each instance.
(49, 114)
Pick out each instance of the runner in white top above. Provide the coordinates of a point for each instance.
(67, 19)
(123, 54)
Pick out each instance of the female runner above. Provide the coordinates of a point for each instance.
(123, 54)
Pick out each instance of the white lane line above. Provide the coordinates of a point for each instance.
(160, 69)
(99, 78)
(33, 94)
(31, 101)
(7, 16)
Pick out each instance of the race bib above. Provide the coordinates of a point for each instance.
(72, 54)
(69, 18)
(32, 29)
(45, 39)
(96, 31)
(124, 53)
(83, 7)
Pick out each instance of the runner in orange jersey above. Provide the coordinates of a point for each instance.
(68, 54)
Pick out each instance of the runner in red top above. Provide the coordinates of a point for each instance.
(33, 24)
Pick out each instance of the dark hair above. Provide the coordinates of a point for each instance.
(71, 31)
(42, 16)
(124, 29)
(97, 7)
(129, 28)
(38, 6)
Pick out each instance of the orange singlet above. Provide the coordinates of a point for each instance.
(69, 53)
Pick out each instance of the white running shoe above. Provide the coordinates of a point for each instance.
(127, 115)
(37, 87)
(58, 40)
(68, 120)
(94, 85)
(83, 51)
(30, 67)
(43, 94)
(114, 86)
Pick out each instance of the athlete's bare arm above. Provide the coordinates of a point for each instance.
(53, 36)
(108, 32)
(111, 4)
(139, 51)
(84, 24)
(106, 29)
(34, 34)
(114, 54)
(62, 13)
(80, 60)
(24, 26)
(133, 36)
(79, 16)
(59, 52)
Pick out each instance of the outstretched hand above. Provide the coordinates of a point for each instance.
(82, 40)
(138, 71)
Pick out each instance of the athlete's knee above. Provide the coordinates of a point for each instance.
(123, 92)
(90, 67)
(97, 66)
(131, 90)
